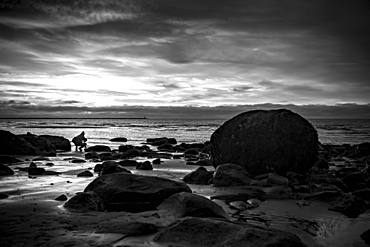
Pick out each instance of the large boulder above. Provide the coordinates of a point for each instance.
(43, 146)
(13, 144)
(59, 142)
(210, 232)
(266, 141)
(134, 193)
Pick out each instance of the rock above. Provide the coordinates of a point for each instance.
(92, 155)
(199, 176)
(59, 142)
(161, 140)
(88, 201)
(231, 175)
(5, 159)
(127, 228)
(34, 170)
(366, 236)
(191, 151)
(128, 163)
(355, 181)
(350, 205)
(12, 144)
(364, 194)
(118, 139)
(98, 148)
(5, 170)
(42, 145)
(266, 141)
(144, 166)
(194, 231)
(105, 155)
(156, 161)
(134, 193)
(111, 167)
(78, 161)
(61, 198)
(85, 174)
(276, 179)
(165, 147)
(187, 204)
(3, 196)
(133, 153)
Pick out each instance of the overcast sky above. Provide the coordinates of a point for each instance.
(184, 58)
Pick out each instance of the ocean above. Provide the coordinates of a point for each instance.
(99, 131)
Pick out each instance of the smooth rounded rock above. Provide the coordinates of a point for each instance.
(266, 141)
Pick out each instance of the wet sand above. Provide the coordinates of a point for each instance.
(31, 217)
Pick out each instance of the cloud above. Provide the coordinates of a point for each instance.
(194, 52)
(66, 109)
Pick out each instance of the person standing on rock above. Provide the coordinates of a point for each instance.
(80, 141)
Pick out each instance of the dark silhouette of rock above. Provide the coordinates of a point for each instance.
(6, 159)
(111, 167)
(211, 232)
(42, 145)
(78, 161)
(92, 155)
(134, 193)
(355, 181)
(165, 147)
(3, 196)
(146, 165)
(12, 144)
(156, 161)
(36, 171)
(98, 148)
(161, 140)
(199, 176)
(186, 204)
(266, 141)
(192, 151)
(59, 142)
(118, 139)
(128, 163)
(5, 170)
(231, 175)
(61, 198)
(366, 236)
(350, 205)
(87, 201)
(85, 174)
(364, 194)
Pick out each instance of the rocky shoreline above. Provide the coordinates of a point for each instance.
(162, 193)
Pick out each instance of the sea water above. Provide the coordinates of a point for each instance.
(99, 131)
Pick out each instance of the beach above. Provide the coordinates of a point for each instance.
(30, 215)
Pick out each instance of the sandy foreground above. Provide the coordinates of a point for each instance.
(31, 217)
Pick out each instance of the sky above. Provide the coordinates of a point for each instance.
(184, 58)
